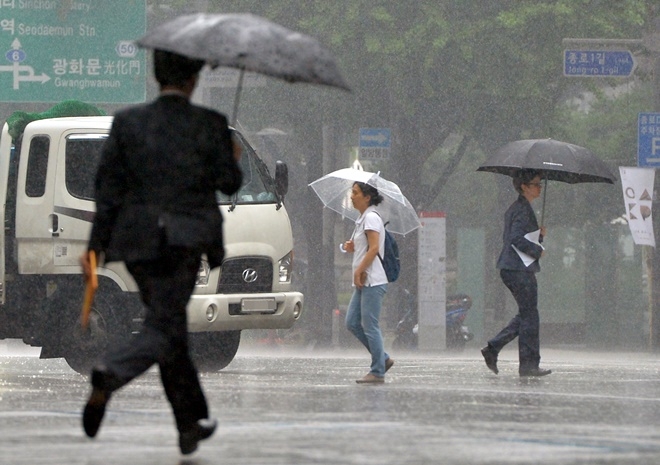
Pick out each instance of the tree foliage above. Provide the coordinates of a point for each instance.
(454, 80)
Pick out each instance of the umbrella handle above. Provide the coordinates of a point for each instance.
(237, 98)
(545, 189)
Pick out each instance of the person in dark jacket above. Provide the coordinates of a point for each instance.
(518, 264)
(156, 210)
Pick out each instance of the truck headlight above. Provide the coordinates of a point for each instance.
(203, 273)
(286, 266)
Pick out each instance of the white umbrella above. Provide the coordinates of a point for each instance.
(334, 191)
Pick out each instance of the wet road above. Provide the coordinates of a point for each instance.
(299, 407)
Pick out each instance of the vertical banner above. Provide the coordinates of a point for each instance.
(431, 292)
(637, 185)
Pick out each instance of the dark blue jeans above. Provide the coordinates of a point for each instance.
(525, 325)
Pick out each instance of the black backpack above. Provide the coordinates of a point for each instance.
(390, 258)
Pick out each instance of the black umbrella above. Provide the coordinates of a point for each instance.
(248, 43)
(556, 160)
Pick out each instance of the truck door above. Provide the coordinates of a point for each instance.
(35, 223)
(6, 155)
(55, 204)
(73, 209)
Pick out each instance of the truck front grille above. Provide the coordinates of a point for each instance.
(246, 275)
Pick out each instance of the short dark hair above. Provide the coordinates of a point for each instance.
(172, 69)
(371, 191)
(524, 176)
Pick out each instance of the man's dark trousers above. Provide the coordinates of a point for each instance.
(165, 286)
(525, 325)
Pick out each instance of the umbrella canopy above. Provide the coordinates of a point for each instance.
(249, 43)
(334, 191)
(555, 160)
(558, 161)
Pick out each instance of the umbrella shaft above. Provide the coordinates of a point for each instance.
(545, 190)
(237, 98)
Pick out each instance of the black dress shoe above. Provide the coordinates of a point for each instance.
(94, 411)
(535, 372)
(490, 356)
(200, 430)
(98, 399)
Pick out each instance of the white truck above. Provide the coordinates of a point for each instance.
(47, 205)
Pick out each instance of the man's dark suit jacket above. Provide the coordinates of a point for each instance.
(160, 168)
(519, 220)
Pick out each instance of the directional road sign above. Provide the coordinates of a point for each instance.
(598, 63)
(76, 49)
(375, 143)
(648, 140)
(375, 137)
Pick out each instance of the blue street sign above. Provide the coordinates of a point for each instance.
(598, 63)
(648, 140)
(375, 143)
(375, 138)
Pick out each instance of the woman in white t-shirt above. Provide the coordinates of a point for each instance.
(369, 280)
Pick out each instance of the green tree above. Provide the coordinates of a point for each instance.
(454, 79)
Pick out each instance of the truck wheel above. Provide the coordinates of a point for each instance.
(83, 347)
(213, 351)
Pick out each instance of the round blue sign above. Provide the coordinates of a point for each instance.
(15, 56)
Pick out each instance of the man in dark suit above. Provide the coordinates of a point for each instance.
(520, 278)
(156, 210)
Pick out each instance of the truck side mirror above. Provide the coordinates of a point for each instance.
(281, 178)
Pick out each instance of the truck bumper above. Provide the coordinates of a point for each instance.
(229, 312)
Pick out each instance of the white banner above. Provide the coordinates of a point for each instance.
(637, 185)
(431, 284)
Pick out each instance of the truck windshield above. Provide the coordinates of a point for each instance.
(84, 152)
(258, 186)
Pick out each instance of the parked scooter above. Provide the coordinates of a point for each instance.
(457, 334)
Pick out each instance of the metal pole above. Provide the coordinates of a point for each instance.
(610, 42)
(545, 190)
(237, 98)
(653, 45)
(650, 42)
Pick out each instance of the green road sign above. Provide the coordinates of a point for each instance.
(56, 50)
